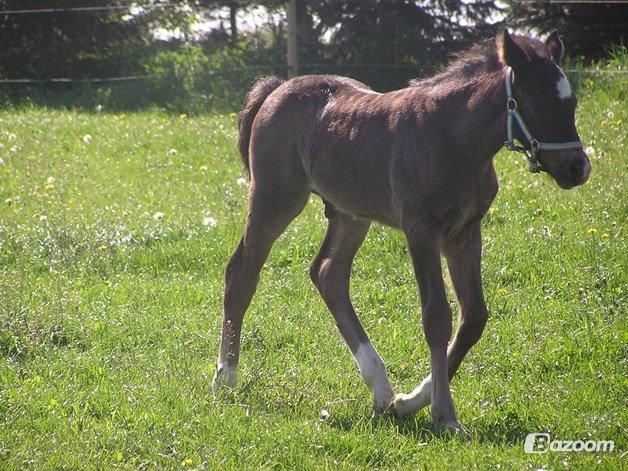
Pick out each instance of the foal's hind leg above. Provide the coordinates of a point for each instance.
(330, 273)
(270, 212)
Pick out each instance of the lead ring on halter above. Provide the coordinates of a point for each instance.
(533, 145)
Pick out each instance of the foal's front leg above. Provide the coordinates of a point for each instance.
(463, 258)
(425, 251)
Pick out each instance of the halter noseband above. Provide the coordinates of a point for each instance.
(534, 145)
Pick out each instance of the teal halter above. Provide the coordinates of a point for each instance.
(534, 145)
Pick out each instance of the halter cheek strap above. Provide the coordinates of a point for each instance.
(533, 145)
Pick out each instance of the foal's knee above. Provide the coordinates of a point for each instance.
(437, 323)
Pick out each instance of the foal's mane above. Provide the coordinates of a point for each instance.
(479, 60)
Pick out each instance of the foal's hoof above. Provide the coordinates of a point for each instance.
(383, 408)
(224, 378)
(404, 405)
(450, 426)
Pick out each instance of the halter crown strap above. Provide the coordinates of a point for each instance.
(533, 145)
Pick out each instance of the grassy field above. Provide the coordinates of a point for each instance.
(114, 233)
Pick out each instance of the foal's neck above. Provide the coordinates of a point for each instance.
(480, 125)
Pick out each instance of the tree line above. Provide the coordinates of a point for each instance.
(382, 42)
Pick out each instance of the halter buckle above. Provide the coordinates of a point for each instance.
(511, 104)
(534, 145)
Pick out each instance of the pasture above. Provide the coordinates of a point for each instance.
(114, 233)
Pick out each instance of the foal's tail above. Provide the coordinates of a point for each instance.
(252, 104)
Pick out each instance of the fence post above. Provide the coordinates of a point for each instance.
(293, 59)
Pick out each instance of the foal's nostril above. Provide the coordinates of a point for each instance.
(575, 169)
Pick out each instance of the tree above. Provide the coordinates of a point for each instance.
(385, 42)
(80, 43)
(586, 29)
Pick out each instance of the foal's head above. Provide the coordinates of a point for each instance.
(546, 102)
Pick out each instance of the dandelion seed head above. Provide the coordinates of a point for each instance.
(209, 222)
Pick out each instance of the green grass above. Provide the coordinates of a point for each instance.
(109, 319)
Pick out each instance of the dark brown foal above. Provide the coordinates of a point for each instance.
(418, 159)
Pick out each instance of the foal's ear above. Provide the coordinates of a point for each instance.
(555, 47)
(510, 53)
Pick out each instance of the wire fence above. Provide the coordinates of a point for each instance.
(30, 81)
(103, 8)
(206, 86)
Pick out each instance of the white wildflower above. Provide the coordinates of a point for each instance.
(98, 108)
(158, 216)
(12, 136)
(173, 151)
(50, 180)
(241, 181)
(87, 138)
(209, 222)
(43, 217)
(590, 151)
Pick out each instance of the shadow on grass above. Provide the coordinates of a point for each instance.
(509, 430)
(418, 427)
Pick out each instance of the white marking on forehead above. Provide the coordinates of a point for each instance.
(563, 87)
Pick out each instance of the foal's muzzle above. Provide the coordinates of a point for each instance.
(570, 169)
